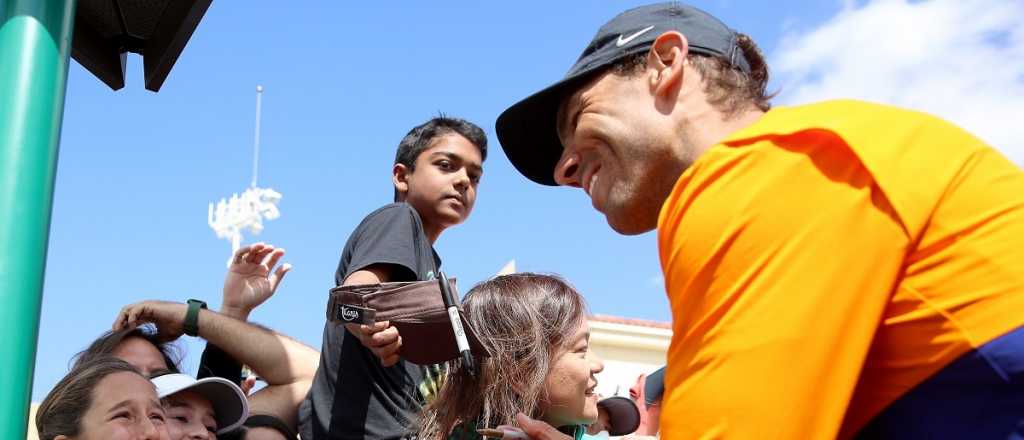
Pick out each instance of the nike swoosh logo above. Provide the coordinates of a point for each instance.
(624, 41)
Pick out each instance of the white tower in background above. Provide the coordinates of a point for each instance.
(245, 212)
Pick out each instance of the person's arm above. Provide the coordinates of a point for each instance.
(287, 365)
(778, 274)
(384, 250)
(275, 357)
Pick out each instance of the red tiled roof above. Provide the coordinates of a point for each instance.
(631, 321)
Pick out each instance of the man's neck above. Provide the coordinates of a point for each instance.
(706, 126)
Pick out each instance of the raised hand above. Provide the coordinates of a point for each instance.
(252, 279)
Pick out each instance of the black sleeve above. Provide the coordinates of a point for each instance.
(391, 235)
(217, 363)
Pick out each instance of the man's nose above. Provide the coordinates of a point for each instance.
(567, 169)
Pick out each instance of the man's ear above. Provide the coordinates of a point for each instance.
(400, 177)
(665, 61)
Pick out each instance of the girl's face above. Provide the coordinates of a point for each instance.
(570, 383)
(124, 407)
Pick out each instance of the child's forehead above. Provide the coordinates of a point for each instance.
(453, 146)
(190, 400)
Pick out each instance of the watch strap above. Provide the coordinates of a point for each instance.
(192, 317)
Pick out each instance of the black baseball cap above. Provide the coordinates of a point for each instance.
(528, 130)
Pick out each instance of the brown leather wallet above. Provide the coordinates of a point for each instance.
(415, 308)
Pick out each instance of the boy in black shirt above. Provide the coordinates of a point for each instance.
(362, 388)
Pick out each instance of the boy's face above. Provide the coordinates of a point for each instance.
(442, 187)
(190, 416)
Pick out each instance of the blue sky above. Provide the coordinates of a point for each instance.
(345, 81)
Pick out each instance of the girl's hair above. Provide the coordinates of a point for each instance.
(106, 344)
(524, 321)
(62, 410)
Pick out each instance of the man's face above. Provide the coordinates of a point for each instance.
(190, 416)
(442, 187)
(621, 147)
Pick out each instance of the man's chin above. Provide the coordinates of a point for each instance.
(629, 226)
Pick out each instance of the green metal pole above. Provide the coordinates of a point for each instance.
(35, 44)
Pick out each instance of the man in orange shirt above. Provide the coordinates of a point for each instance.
(839, 269)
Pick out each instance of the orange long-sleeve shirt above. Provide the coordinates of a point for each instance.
(825, 260)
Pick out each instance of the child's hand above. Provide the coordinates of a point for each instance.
(381, 338)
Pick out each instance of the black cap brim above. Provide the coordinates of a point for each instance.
(528, 130)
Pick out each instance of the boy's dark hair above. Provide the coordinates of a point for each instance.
(62, 410)
(422, 136)
(105, 345)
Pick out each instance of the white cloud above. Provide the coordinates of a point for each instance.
(960, 59)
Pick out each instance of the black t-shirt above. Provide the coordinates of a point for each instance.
(353, 396)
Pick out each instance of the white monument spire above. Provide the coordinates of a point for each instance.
(247, 211)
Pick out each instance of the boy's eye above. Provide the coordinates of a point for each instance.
(180, 419)
(445, 165)
(157, 417)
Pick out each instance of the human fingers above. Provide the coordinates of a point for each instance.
(247, 384)
(240, 254)
(256, 254)
(271, 257)
(370, 329)
(121, 320)
(538, 430)
(388, 350)
(278, 274)
(384, 337)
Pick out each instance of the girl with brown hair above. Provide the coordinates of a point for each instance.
(102, 398)
(535, 330)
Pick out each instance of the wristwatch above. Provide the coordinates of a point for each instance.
(192, 317)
